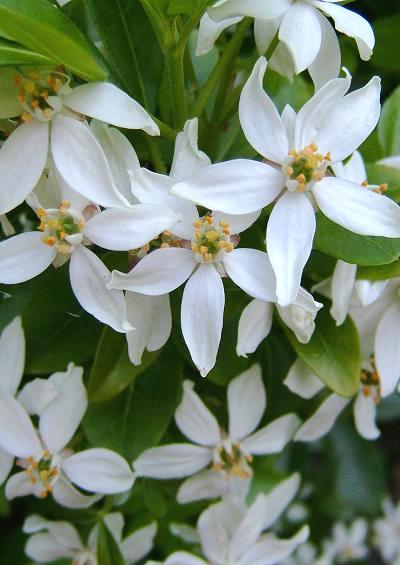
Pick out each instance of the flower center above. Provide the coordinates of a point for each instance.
(62, 227)
(371, 384)
(39, 94)
(43, 471)
(304, 168)
(230, 460)
(210, 240)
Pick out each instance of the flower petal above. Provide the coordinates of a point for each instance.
(251, 8)
(194, 419)
(181, 558)
(70, 497)
(105, 102)
(206, 484)
(88, 276)
(264, 33)
(6, 464)
(213, 533)
(202, 315)
(12, 356)
(254, 325)
(302, 380)
(290, 233)
(270, 549)
(188, 158)
(121, 229)
(23, 157)
(82, 163)
(387, 350)
(17, 434)
(172, 461)
(19, 485)
(343, 280)
(326, 65)
(246, 403)
(365, 415)
(259, 117)
(236, 187)
(354, 170)
(322, 421)
(138, 544)
(99, 470)
(36, 394)
(251, 270)
(209, 31)
(237, 224)
(279, 498)
(356, 208)
(23, 257)
(273, 437)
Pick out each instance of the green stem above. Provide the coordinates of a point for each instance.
(176, 82)
(190, 25)
(155, 155)
(227, 56)
(165, 130)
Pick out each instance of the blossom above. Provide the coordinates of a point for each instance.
(307, 40)
(230, 453)
(256, 321)
(48, 466)
(61, 540)
(232, 534)
(299, 149)
(52, 115)
(386, 531)
(346, 544)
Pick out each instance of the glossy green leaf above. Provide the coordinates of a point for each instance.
(45, 29)
(378, 174)
(333, 353)
(108, 552)
(112, 370)
(153, 498)
(379, 273)
(137, 418)
(130, 47)
(389, 124)
(332, 239)
(13, 54)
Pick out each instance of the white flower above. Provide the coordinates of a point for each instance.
(304, 555)
(233, 534)
(61, 540)
(386, 532)
(300, 147)
(256, 321)
(48, 465)
(306, 38)
(52, 117)
(346, 544)
(230, 453)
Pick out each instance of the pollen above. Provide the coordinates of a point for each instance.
(304, 168)
(210, 239)
(34, 91)
(58, 224)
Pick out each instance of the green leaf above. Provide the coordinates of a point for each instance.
(13, 54)
(154, 498)
(387, 44)
(333, 353)
(380, 273)
(112, 370)
(389, 124)
(378, 174)
(45, 29)
(137, 418)
(131, 47)
(108, 552)
(332, 239)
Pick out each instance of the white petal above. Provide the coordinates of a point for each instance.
(19, 485)
(62, 534)
(301, 32)
(254, 326)
(160, 272)
(390, 162)
(270, 550)
(23, 157)
(302, 380)
(70, 497)
(365, 415)
(172, 461)
(106, 102)
(273, 437)
(207, 484)
(17, 435)
(369, 291)
(125, 229)
(354, 170)
(12, 356)
(151, 318)
(213, 534)
(387, 350)
(237, 224)
(209, 32)
(181, 558)
(251, 270)
(23, 257)
(341, 129)
(352, 24)
(249, 529)
(240, 186)
(326, 65)
(279, 498)
(82, 163)
(36, 394)
(356, 208)
(252, 8)
(43, 548)
(88, 277)
(289, 117)
(290, 233)
(282, 61)
(99, 470)
(195, 420)
(62, 416)
(300, 315)
(187, 156)
(259, 117)
(6, 464)
(343, 281)
(202, 314)
(138, 544)
(246, 403)
(322, 421)
(264, 33)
